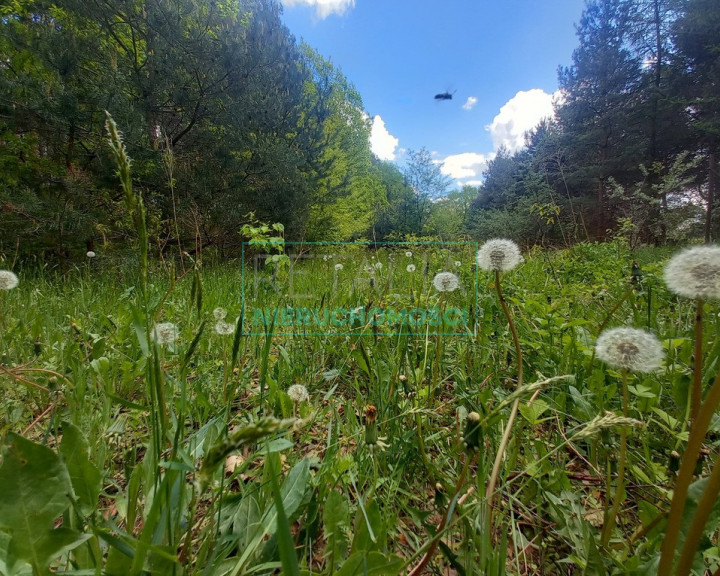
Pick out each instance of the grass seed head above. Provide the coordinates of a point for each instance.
(602, 422)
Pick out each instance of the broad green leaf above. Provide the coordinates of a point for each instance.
(371, 564)
(533, 412)
(246, 520)
(361, 360)
(36, 485)
(642, 391)
(292, 496)
(363, 538)
(335, 520)
(694, 494)
(292, 493)
(85, 477)
(277, 445)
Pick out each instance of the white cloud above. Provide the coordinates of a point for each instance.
(518, 115)
(323, 8)
(469, 103)
(465, 165)
(382, 143)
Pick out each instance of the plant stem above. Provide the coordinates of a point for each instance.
(696, 397)
(693, 535)
(443, 523)
(620, 486)
(421, 445)
(490, 491)
(685, 475)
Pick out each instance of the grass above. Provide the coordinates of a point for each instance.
(191, 458)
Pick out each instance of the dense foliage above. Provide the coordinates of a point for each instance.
(228, 119)
(633, 147)
(223, 114)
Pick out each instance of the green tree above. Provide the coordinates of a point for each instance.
(598, 116)
(448, 214)
(346, 188)
(697, 76)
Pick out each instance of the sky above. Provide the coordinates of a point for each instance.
(498, 58)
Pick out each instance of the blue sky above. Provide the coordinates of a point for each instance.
(499, 58)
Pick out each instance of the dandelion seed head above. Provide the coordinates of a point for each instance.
(298, 393)
(90, 254)
(338, 266)
(446, 282)
(630, 348)
(219, 313)
(408, 254)
(165, 333)
(499, 255)
(224, 328)
(378, 265)
(8, 280)
(695, 272)
(410, 268)
(458, 263)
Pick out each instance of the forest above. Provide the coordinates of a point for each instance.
(230, 121)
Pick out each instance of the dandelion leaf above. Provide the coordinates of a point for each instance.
(369, 529)
(86, 479)
(335, 523)
(36, 489)
(246, 520)
(293, 497)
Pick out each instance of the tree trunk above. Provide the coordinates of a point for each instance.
(710, 228)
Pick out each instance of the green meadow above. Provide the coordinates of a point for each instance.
(129, 453)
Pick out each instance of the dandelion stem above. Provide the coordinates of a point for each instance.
(696, 396)
(490, 492)
(622, 457)
(685, 476)
(704, 508)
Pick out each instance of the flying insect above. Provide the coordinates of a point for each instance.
(444, 96)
